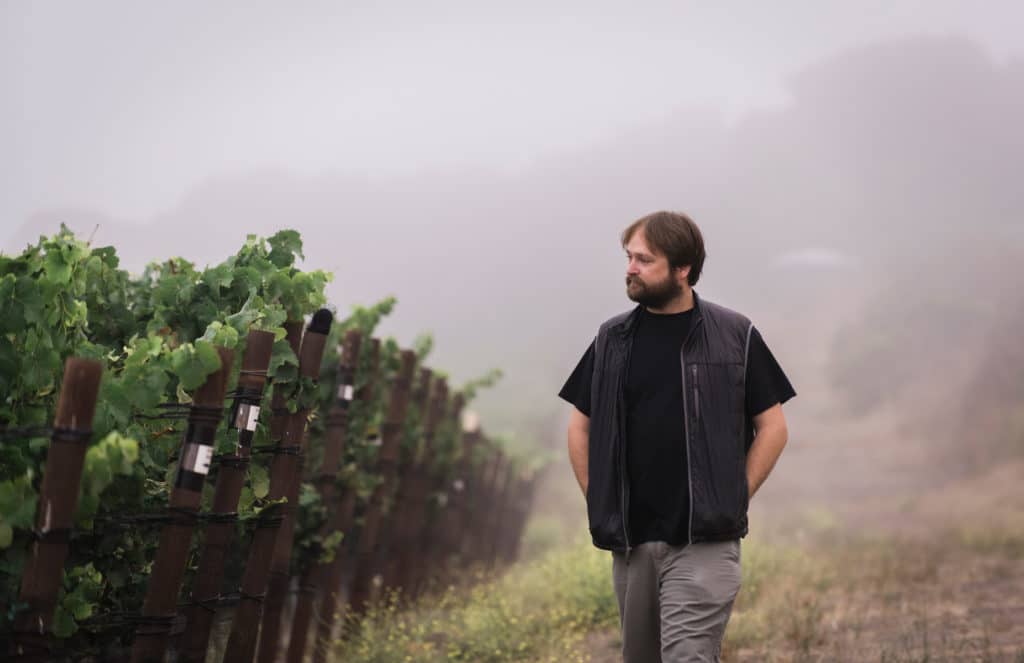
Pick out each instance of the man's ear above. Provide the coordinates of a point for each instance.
(682, 274)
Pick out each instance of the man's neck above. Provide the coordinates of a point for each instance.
(684, 302)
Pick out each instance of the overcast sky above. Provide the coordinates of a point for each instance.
(124, 107)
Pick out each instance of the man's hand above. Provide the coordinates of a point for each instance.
(579, 446)
(768, 443)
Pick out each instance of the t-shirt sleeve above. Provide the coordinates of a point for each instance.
(577, 387)
(766, 383)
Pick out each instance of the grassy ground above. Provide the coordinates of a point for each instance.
(956, 597)
(539, 611)
(942, 579)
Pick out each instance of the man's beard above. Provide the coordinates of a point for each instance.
(653, 295)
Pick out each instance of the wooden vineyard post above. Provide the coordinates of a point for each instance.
(457, 509)
(497, 525)
(220, 528)
(367, 562)
(523, 506)
(409, 553)
(278, 580)
(507, 541)
(435, 532)
(484, 505)
(396, 535)
(160, 605)
(241, 645)
(412, 490)
(58, 498)
(316, 572)
(328, 612)
(473, 496)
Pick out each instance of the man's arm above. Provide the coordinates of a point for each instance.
(768, 443)
(579, 446)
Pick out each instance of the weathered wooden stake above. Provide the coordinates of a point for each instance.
(241, 645)
(435, 532)
(330, 599)
(367, 561)
(160, 605)
(58, 498)
(315, 575)
(220, 530)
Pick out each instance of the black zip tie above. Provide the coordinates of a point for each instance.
(211, 605)
(205, 413)
(71, 436)
(170, 416)
(212, 609)
(251, 597)
(182, 516)
(228, 600)
(231, 460)
(171, 515)
(62, 535)
(269, 521)
(221, 518)
(152, 624)
(151, 620)
(278, 449)
(134, 519)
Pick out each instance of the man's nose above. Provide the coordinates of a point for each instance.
(632, 268)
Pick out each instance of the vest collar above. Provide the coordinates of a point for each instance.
(627, 325)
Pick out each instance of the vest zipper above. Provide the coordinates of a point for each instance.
(686, 431)
(624, 485)
(696, 393)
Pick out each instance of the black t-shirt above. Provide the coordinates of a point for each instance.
(655, 427)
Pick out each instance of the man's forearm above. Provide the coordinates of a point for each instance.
(579, 447)
(765, 450)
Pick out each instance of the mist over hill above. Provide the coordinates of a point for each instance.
(883, 195)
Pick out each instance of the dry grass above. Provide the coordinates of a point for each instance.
(957, 595)
(556, 599)
(948, 599)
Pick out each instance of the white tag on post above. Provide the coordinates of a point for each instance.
(197, 457)
(247, 417)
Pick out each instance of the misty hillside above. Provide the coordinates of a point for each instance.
(884, 193)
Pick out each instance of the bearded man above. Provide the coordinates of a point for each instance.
(677, 422)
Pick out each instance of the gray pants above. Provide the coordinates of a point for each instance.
(674, 601)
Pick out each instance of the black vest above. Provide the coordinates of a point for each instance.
(713, 361)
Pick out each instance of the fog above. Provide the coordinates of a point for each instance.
(855, 170)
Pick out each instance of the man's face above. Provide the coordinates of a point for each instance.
(649, 279)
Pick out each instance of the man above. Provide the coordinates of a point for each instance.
(677, 422)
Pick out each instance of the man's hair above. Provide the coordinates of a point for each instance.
(676, 236)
